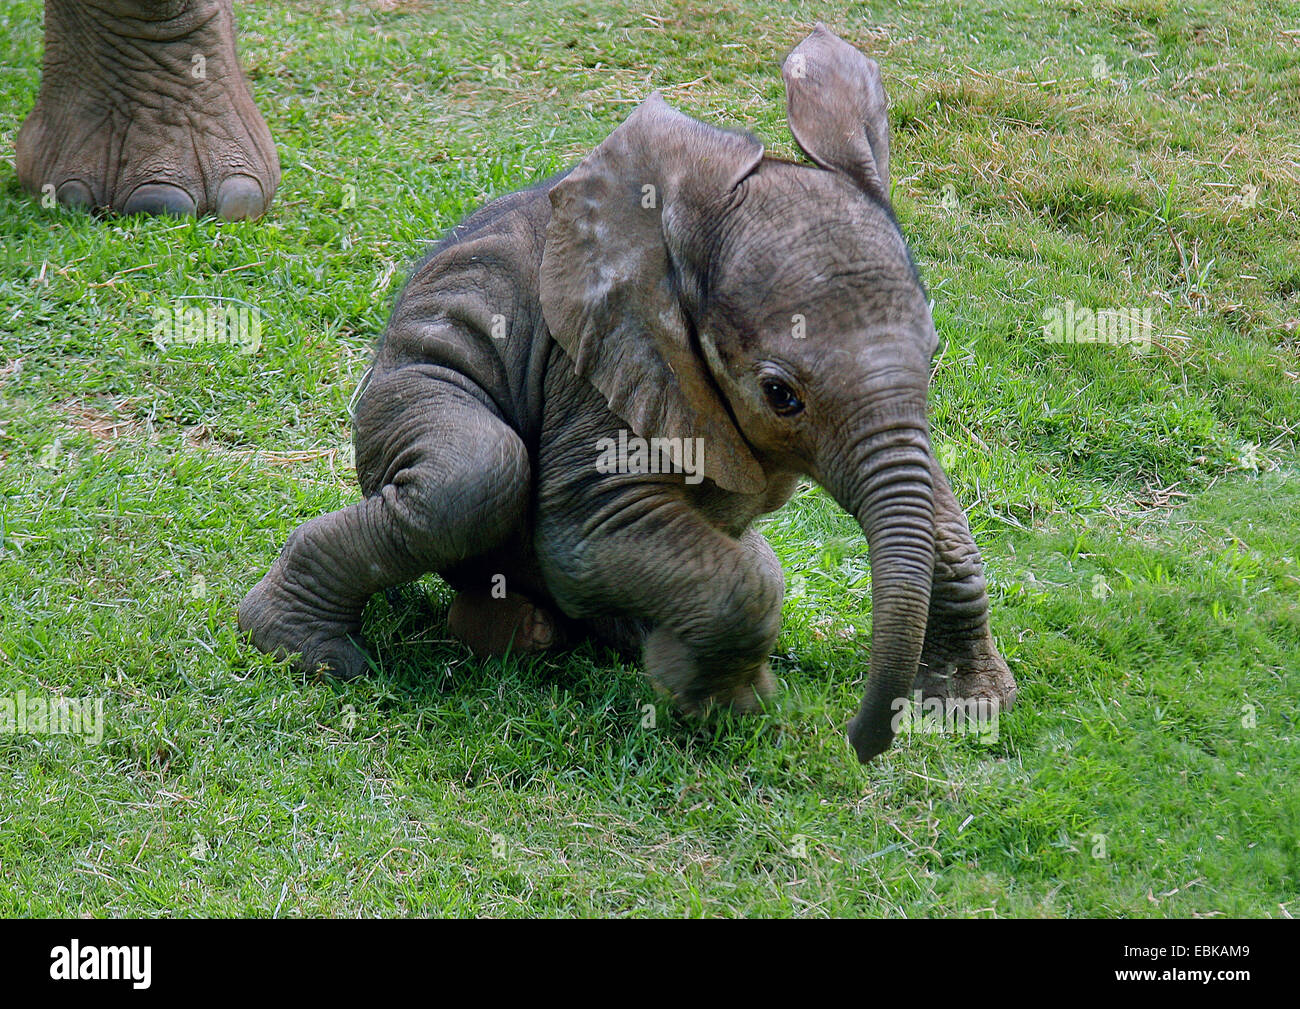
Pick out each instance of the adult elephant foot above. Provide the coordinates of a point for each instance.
(143, 109)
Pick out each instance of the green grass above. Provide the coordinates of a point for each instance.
(1139, 515)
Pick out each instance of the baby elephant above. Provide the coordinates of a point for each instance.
(591, 389)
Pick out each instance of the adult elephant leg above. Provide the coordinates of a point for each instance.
(143, 108)
(959, 658)
(445, 480)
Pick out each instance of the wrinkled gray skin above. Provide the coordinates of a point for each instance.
(477, 454)
(143, 109)
(477, 450)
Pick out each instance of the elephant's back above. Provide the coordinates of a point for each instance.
(472, 306)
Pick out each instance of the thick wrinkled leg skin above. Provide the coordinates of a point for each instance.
(143, 109)
(959, 658)
(705, 607)
(299, 606)
(722, 664)
(445, 479)
(699, 687)
(494, 627)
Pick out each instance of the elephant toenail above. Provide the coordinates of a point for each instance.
(75, 193)
(159, 198)
(240, 197)
(542, 631)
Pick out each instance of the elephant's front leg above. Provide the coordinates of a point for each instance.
(718, 656)
(959, 659)
(714, 602)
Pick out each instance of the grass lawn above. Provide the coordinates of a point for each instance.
(1139, 513)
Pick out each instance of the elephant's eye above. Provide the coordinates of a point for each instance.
(781, 398)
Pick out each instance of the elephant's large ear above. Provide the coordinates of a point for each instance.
(621, 261)
(837, 109)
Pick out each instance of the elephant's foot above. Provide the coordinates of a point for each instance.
(966, 667)
(282, 622)
(143, 108)
(494, 627)
(959, 660)
(699, 690)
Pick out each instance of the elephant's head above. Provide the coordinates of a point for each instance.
(772, 309)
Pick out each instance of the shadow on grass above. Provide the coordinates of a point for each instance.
(419, 667)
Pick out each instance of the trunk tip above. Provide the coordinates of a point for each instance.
(869, 741)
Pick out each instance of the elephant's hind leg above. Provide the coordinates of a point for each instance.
(496, 626)
(959, 659)
(445, 479)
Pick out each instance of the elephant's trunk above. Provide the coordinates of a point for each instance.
(885, 483)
